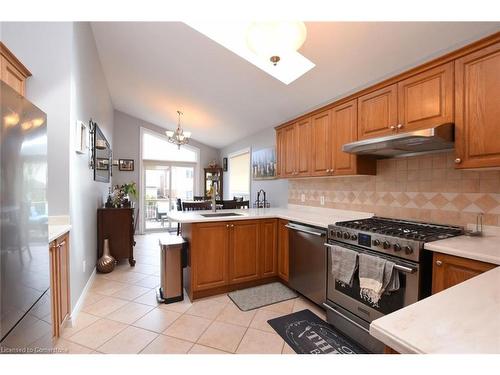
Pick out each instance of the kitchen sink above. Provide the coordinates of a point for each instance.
(221, 214)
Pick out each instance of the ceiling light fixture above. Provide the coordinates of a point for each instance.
(276, 40)
(178, 136)
(239, 38)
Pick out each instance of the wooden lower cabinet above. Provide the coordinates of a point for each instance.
(228, 255)
(283, 257)
(209, 255)
(449, 270)
(268, 240)
(244, 257)
(59, 283)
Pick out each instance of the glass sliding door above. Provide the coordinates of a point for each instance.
(164, 183)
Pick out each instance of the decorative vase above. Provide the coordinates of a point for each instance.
(106, 263)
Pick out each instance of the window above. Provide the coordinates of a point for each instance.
(156, 147)
(239, 174)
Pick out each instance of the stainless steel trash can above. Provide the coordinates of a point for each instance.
(172, 262)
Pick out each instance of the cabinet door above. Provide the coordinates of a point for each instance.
(11, 76)
(290, 141)
(426, 99)
(345, 129)
(244, 251)
(321, 144)
(449, 270)
(477, 106)
(304, 147)
(283, 250)
(209, 255)
(268, 236)
(378, 112)
(63, 276)
(279, 152)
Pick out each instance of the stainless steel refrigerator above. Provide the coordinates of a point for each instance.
(24, 267)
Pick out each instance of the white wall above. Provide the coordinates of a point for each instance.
(45, 49)
(276, 190)
(126, 141)
(89, 99)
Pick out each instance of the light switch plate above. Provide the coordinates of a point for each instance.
(302, 197)
(322, 200)
(84, 266)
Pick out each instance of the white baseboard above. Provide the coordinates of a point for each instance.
(79, 303)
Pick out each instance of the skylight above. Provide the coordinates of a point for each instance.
(233, 36)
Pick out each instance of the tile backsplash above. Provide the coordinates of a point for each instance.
(426, 188)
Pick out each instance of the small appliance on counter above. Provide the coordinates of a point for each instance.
(400, 242)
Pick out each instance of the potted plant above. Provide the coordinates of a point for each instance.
(128, 190)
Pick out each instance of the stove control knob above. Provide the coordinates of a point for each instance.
(397, 247)
(354, 237)
(376, 242)
(408, 249)
(339, 234)
(346, 235)
(386, 245)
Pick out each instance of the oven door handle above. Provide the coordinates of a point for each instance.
(346, 318)
(399, 267)
(319, 234)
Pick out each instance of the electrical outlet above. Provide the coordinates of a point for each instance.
(302, 197)
(84, 265)
(322, 200)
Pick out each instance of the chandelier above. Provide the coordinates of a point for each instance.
(178, 136)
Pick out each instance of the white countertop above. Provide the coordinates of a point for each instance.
(485, 248)
(462, 319)
(57, 230)
(317, 216)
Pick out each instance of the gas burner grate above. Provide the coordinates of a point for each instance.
(403, 229)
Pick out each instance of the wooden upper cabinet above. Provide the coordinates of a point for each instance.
(210, 255)
(378, 112)
(12, 71)
(289, 153)
(244, 254)
(449, 270)
(283, 259)
(303, 163)
(321, 144)
(426, 99)
(477, 108)
(268, 237)
(345, 130)
(280, 148)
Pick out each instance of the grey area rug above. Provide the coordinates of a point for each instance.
(263, 295)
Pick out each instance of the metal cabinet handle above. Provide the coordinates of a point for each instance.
(61, 244)
(392, 127)
(458, 161)
(227, 225)
(319, 234)
(400, 126)
(439, 263)
(232, 225)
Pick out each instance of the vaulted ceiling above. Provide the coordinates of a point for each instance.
(154, 69)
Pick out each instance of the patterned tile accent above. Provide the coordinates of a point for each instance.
(426, 188)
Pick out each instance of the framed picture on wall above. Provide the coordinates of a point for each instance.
(102, 164)
(126, 165)
(264, 164)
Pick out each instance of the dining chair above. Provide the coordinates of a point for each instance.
(229, 205)
(243, 204)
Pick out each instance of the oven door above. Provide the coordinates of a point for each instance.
(348, 297)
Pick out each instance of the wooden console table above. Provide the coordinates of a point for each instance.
(117, 225)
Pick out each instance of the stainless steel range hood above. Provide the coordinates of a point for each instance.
(437, 139)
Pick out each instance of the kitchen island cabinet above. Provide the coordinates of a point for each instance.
(230, 255)
(59, 282)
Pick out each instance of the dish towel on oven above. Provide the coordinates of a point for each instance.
(375, 276)
(344, 264)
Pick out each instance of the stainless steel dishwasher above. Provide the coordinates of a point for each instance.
(308, 261)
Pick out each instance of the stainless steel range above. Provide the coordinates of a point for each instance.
(398, 241)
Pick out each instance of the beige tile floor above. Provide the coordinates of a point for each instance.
(120, 315)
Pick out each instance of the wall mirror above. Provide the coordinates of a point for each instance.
(101, 154)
